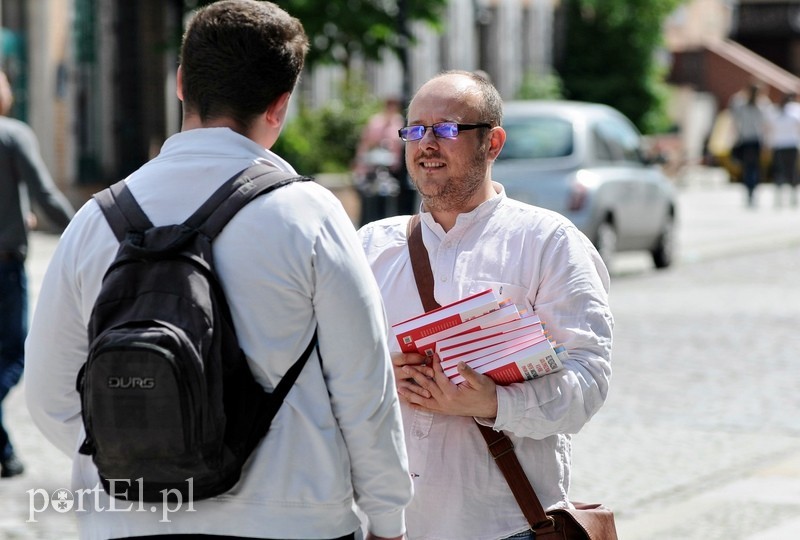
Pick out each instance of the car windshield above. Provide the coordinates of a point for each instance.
(537, 137)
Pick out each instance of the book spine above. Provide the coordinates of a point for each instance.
(535, 364)
(473, 345)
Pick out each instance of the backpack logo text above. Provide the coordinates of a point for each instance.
(145, 383)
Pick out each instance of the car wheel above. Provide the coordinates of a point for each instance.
(664, 251)
(606, 242)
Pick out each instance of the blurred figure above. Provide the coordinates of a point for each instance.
(23, 178)
(378, 169)
(782, 135)
(748, 111)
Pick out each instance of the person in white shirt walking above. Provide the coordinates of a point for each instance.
(289, 262)
(748, 108)
(782, 134)
(477, 238)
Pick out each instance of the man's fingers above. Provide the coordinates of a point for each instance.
(420, 374)
(411, 392)
(400, 359)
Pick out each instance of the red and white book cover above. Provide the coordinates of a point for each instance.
(484, 337)
(409, 331)
(507, 312)
(531, 362)
(488, 354)
(490, 337)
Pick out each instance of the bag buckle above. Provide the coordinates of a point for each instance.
(549, 523)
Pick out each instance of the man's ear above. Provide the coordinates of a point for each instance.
(179, 83)
(497, 138)
(277, 110)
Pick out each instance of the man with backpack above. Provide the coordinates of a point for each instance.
(106, 379)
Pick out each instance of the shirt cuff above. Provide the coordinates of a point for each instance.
(388, 525)
(505, 408)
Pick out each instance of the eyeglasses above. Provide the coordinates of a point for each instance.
(442, 130)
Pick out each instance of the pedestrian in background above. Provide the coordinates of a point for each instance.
(289, 263)
(782, 134)
(748, 109)
(24, 178)
(378, 170)
(476, 238)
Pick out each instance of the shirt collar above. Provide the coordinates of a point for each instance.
(481, 212)
(220, 141)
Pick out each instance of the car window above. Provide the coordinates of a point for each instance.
(537, 137)
(602, 145)
(615, 140)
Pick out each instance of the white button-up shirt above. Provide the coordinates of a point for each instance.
(543, 263)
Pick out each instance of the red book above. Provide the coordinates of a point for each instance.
(466, 342)
(488, 354)
(449, 353)
(408, 331)
(531, 362)
(508, 312)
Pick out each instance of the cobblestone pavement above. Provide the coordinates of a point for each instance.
(700, 438)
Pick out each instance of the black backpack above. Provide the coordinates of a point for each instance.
(169, 404)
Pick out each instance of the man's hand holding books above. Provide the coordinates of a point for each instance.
(423, 385)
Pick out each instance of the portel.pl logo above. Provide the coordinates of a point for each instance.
(63, 500)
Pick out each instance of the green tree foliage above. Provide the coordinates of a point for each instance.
(341, 29)
(610, 57)
(540, 86)
(324, 140)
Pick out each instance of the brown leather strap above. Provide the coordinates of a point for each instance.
(500, 446)
(420, 263)
(502, 450)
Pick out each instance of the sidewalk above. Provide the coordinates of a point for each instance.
(713, 222)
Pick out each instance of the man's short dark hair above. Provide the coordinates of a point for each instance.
(238, 56)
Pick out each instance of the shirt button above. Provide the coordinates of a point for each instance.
(443, 278)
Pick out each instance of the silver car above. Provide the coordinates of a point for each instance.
(587, 162)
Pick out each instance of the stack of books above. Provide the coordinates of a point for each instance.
(492, 337)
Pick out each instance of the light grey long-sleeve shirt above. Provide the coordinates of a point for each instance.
(23, 178)
(289, 261)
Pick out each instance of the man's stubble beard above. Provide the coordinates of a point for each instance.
(456, 193)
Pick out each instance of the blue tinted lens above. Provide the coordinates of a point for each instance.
(412, 133)
(442, 130)
(446, 130)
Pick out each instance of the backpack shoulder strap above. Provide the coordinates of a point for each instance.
(285, 384)
(234, 194)
(121, 210)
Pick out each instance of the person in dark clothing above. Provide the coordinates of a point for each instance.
(24, 178)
